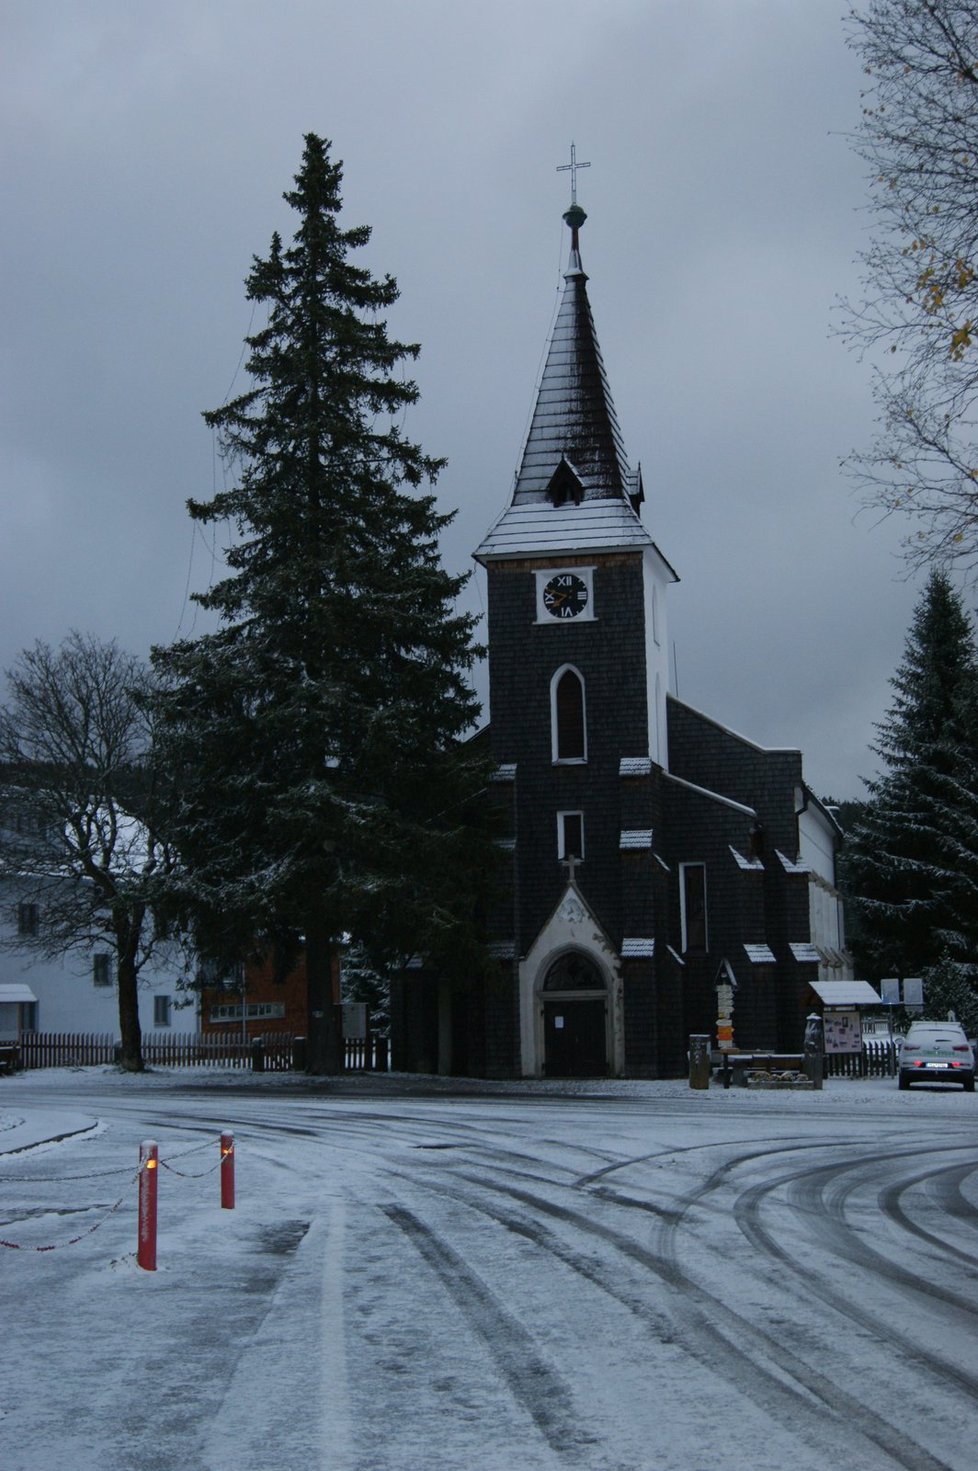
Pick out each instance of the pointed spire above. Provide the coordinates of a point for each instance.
(574, 419)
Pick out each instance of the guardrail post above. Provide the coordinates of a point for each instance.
(227, 1172)
(148, 1179)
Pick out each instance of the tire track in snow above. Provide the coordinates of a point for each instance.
(953, 1202)
(770, 1375)
(530, 1379)
(336, 1427)
(810, 1191)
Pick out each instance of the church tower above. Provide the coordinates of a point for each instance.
(578, 679)
(665, 875)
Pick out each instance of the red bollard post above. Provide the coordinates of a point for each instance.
(148, 1178)
(227, 1172)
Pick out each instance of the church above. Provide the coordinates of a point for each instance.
(664, 876)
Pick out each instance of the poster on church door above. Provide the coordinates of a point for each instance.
(843, 1031)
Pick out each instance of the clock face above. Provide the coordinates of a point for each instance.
(565, 595)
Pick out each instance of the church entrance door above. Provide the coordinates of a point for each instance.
(575, 1028)
(574, 1038)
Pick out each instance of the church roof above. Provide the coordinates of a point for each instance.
(593, 526)
(574, 489)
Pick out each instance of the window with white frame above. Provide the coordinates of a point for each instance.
(570, 835)
(692, 904)
(256, 1011)
(102, 969)
(568, 725)
(161, 1011)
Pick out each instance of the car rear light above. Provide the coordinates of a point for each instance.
(918, 1063)
(955, 1063)
(961, 1047)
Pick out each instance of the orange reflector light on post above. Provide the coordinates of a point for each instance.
(148, 1182)
(227, 1172)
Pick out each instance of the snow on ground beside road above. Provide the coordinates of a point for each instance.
(427, 1274)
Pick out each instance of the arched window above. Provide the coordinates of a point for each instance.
(573, 972)
(567, 715)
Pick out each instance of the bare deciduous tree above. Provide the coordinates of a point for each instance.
(83, 810)
(919, 316)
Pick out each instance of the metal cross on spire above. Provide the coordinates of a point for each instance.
(573, 166)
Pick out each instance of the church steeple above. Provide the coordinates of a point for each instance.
(574, 420)
(574, 490)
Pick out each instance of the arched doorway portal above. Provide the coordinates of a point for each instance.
(575, 1018)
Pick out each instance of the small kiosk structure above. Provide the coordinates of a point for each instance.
(842, 1004)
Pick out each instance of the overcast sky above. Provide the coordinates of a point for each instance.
(145, 148)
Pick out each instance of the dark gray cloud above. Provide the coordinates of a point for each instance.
(145, 153)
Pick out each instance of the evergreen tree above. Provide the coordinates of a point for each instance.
(949, 988)
(912, 860)
(361, 982)
(317, 732)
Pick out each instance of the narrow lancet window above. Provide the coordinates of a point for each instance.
(568, 717)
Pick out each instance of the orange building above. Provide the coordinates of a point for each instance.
(270, 1003)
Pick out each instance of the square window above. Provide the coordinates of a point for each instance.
(161, 1011)
(102, 970)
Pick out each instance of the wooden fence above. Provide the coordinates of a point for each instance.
(878, 1059)
(273, 1053)
(66, 1049)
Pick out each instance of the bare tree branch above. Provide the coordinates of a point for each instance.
(85, 808)
(918, 318)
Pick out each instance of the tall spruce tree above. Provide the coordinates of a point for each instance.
(317, 733)
(912, 859)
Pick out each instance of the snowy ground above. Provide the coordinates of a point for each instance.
(430, 1277)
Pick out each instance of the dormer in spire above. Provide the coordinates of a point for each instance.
(565, 484)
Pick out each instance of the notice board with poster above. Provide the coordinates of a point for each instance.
(843, 1031)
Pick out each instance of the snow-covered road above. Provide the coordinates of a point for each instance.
(629, 1277)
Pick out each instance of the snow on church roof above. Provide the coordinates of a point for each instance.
(542, 529)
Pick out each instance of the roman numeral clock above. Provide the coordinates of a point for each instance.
(564, 593)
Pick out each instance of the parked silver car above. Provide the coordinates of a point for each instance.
(937, 1052)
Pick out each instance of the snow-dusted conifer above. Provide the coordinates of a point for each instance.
(317, 732)
(912, 859)
(949, 990)
(362, 982)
